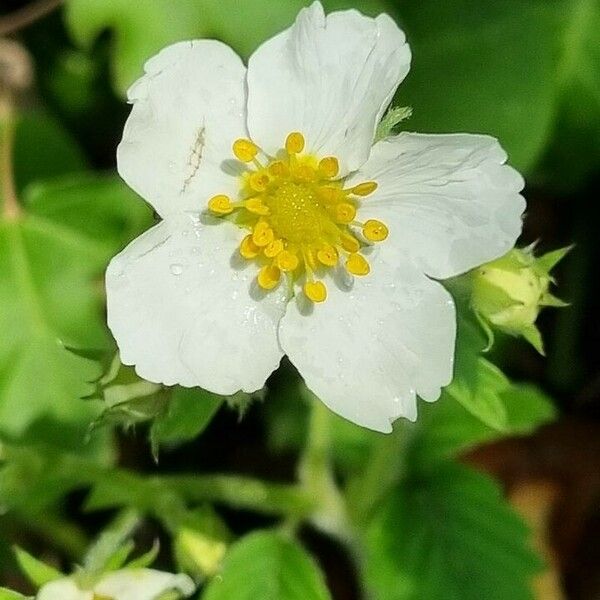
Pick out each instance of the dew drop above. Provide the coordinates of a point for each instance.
(177, 269)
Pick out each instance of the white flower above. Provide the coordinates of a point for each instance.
(132, 584)
(310, 210)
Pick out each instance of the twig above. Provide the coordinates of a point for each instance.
(23, 17)
(11, 209)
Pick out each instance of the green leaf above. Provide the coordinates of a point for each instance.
(189, 412)
(479, 390)
(448, 534)
(52, 261)
(36, 476)
(140, 30)
(503, 67)
(47, 302)
(477, 383)
(446, 428)
(35, 570)
(574, 155)
(268, 566)
(43, 149)
(98, 206)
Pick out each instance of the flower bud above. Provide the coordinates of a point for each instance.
(508, 293)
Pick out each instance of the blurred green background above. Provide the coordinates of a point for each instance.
(525, 71)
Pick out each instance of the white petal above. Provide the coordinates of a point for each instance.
(330, 78)
(449, 201)
(63, 589)
(185, 310)
(142, 584)
(367, 351)
(187, 110)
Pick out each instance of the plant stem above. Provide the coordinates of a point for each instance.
(241, 492)
(27, 15)
(11, 209)
(317, 478)
(384, 467)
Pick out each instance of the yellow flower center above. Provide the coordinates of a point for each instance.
(301, 219)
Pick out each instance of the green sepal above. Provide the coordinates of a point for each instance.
(38, 572)
(392, 118)
(6, 594)
(548, 261)
(534, 337)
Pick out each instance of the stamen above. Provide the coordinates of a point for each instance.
(259, 180)
(305, 172)
(279, 169)
(245, 150)
(301, 219)
(294, 143)
(328, 256)
(350, 243)
(273, 248)
(256, 206)
(329, 166)
(330, 195)
(287, 261)
(375, 231)
(364, 189)
(220, 204)
(345, 213)
(268, 277)
(315, 291)
(357, 265)
(262, 234)
(248, 249)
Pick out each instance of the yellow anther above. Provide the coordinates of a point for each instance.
(220, 205)
(305, 172)
(262, 234)
(329, 166)
(278, 169)
(357, 265)
(331, 194)
(259, 180)
(328, 256)
(273, 248)
(375, 231)
(294, 142)
(248, 249)
(315, 291)
(364, 189)
(287, 261)
(268, 277)
(245, 150)
(256, 206)
(350, 243)
(345, 213)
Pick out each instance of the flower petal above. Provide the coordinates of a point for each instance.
(63, 589)
(142, 584)
(184, 310)
(188, 109)
(449, 201)
(367, 352)
(331, 78)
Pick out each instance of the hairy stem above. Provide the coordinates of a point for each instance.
(317, 478)
(11, 209)
(27, 15)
